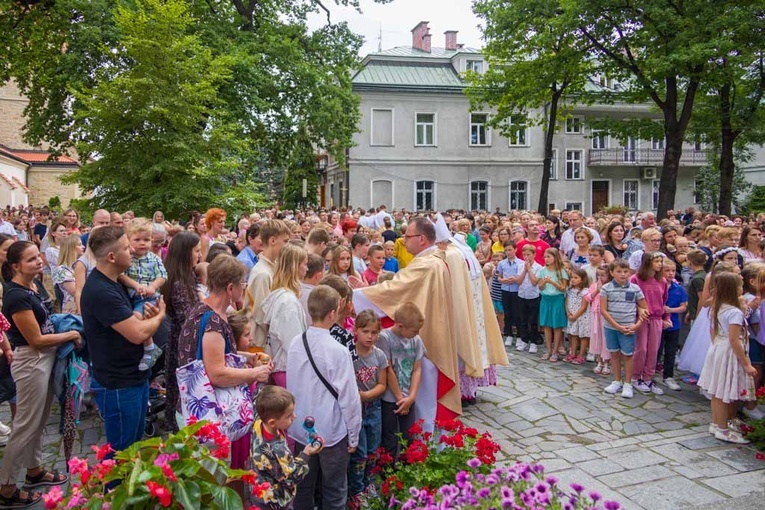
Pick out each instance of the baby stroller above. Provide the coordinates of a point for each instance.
(156, 408)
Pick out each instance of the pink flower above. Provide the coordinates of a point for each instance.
(165, 458)
(53, 497)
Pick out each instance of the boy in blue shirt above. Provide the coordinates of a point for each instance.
(508, 272)
(677, 302)
(391, 264)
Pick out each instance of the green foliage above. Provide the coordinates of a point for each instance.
(54, 204)
(755, 201)
(303, 167)
(708, 186)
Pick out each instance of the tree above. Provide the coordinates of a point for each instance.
(303, 167)
(662, 52)
(534, 64)
(708, 185)
(180, 102)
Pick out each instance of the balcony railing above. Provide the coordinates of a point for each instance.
(624, 156)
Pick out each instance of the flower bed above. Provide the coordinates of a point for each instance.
(754, 430)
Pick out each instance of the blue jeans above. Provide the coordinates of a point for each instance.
(369, 441)
(124, 412)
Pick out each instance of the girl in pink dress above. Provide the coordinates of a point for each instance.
(597, 341)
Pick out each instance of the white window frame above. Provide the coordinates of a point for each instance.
(487, 192)
(392, 127)
(470, 61)
(657, 144)
(392, 191)
(435, 129)
(637, 194)
(629, 150)
(599, 136)
(573, 206)
(516, 132)
(554, 165)
(485, 127)
(573, 120)
(432, 191)
(655, 193)
(581, 165)
(510, 192)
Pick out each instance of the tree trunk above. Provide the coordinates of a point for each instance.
(544, 188)
(727, 166)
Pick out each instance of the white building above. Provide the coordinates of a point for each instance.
(420, 147)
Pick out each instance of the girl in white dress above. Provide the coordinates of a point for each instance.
(727, 365)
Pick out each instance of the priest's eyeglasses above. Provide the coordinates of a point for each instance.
(409, 236)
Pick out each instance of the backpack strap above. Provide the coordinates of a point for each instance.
(330, 389)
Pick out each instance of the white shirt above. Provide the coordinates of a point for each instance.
(7, 228)
(335, 419)
(526, 290)
(567, 242)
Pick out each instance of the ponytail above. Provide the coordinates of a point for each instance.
(14, 257)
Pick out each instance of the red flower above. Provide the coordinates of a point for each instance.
(759, 456)
(760, 392)
(103, 451)
(485, 449)
(386, 486)
(249, 478)
(160, 492)
(743, 392)
(416, 428)
(168, 472)
(450, 425)
(416, 452)
(471, 432)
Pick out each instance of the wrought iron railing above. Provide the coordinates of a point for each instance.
(624, 156)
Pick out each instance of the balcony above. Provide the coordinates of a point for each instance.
(624, 156)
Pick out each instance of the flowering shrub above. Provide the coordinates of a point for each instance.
(430, 461)
(755, 429)
(519, 486)
(187, 470)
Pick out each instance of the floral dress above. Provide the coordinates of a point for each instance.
(182, 304)
(581, 326)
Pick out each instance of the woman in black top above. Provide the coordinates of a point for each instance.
(614, 242)
(27, 307)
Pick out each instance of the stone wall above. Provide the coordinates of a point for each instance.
(12, 106)
(44, 183)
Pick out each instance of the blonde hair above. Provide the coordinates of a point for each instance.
(142, 225)
(68, 251)
(409, 315)
(287, 271)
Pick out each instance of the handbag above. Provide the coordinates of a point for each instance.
(230, 407)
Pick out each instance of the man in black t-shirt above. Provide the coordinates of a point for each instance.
(115, 339)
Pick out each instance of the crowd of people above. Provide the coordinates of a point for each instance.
(366, 322)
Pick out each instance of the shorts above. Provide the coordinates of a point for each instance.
(756, 352)
(498, 307)
(139, 302)
(617, 341)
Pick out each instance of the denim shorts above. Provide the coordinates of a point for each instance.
(498, 307)
(617, 341)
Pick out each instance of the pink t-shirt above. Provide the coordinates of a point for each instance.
(370, 276)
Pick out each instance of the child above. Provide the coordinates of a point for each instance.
(753, 274)
(324, 386)
(620, 301)
(578, 318)
(651, 281)
(360, 247)
(552, 281)
(391, 264)
(341, 266)
(404, 349)
(677, 302)
(376, 255)
(337, 330)
(596, 256)
(371, 378)
(683, 247)
(496, 289)
(727, 367)
(488, 272)
(597, 341)
(271, 457)
(143, 278)
(200, 270)
(528, 301)
(508, 270)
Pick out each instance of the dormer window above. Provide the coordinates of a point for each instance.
(474, 65)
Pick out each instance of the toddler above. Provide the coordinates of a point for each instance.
(578, 318)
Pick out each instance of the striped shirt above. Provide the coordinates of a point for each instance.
(622, 302)
(496, 288)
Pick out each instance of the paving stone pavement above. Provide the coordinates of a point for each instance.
(648, 452)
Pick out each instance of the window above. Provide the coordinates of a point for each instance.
(630, 150)
(655, 194)
(630, 194)
(574, 206)
(425, 129)
(425, 195)
(574, 170)
(382, 127)
(551, 207)
(474, 65)
(332, 194)
(574, 125)
(657, 143)
(698, 146)
(599, 140)
(554, 165)
(479, 134)
(479, 195)
(517, 131)
(519, 195)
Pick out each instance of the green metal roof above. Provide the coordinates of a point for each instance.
(408, 51)
(408, 74)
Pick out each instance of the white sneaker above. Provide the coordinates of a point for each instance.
(713, 428)
(754, 414)
(5, 430)
(533, 348)
(509, 341)
(627, 391)
(590, 357)
(614, 387)
(521, 345)
(642, 386)
(731, 436)
(671, 384)
(655, 388)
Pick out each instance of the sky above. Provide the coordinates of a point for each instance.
(398, 18)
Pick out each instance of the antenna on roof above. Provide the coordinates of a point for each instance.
(379, 40)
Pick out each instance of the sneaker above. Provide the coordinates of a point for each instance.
(590, 357)
(642, 386)
(754, 414)
(5, 430)
(713, 428)
(149, 358)
(655, 389)
(627, 391)
(705, 393)
(533, 349)
(671, 384)
(614, 387)
(509, 341)
(730, 436)
(521, 345)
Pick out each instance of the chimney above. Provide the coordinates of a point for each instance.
(450, 41)
(421, 37)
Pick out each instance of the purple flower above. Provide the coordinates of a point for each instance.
(551, 480)
(474, 463)
(492, 479)
(409, 505)
(611, 505)
(538, 468)
(483, 493)
(577, 488)
(507, 502)
(414, 491)
(595, 496)
(506, 492)
(462, 477)
(568, 506)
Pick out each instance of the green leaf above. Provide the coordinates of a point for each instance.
(226, 498)
(187, 494)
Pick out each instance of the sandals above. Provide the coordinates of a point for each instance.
(569, 358)
(578, 360)
(606, 369)
(553, 358)
(16, 501)
(32, 482)
(545, 356)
